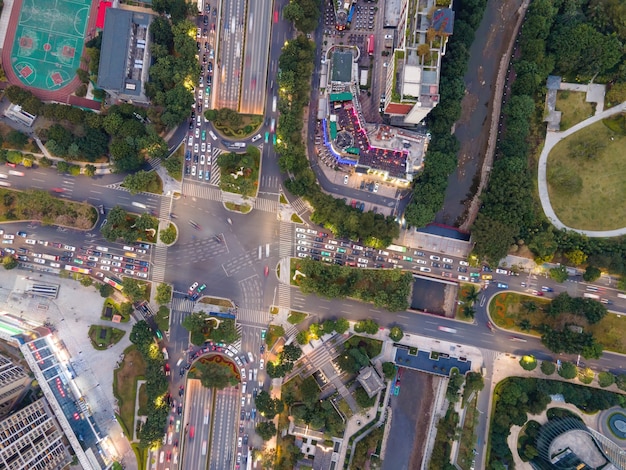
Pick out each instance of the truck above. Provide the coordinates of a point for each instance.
(370, 44)
(139, 204)
(364, 77)
(401, 249)
(50, 257)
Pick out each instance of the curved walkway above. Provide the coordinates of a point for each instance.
(552, 138)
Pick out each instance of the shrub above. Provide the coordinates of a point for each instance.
(606, 379)
(528, 363)
(548, 367)
(568, 371)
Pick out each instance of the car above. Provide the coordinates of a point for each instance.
(267, 270)
(376, 188)
(199, 174)
(424, 269)
(105, 268)
(463, 278)
(197, 134)
(303, 255)
(487, 277)
(299, 235)
(447, 266)
(303, 249)
(448, 260)
(502, 271)
(547, 289)
(192, 288)
(261, 363)
(329, 247)
(463, 263)
(420, 261)
(446, 329)
(502, 285)
(346, 179)
(435, 258)
(196, 148)
(193, 170)
(203, 149)
(92, 258)
(202, 158)
(435, 265)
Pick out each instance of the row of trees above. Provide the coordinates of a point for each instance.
(122, 225)
(157, 409)
(553, 33)
(515, 397)
(122, 133)
(389, 289)
(317, 330)
(296, 66)
(590, 309)
(357, 353)
(441, 160)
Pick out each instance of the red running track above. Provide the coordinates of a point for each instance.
(62, 94)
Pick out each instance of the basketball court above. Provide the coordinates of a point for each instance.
(49, 42)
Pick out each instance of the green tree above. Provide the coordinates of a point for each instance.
(389, 370)
(163, 293)
(576, 257)
(226, 332)
(105, 290)
(568, 370)
(141, 335)
(90, 170)
(138, 182)
(268, 406)
(9, 262)
(342, 325)
(197, 325)
(16, 139)
(396, 333)
(168, 236)
(291, 353)
(591, 274)
(605, 379)
(215, 374)
(559, 274)
(266, 430)
(133, 289)
(548, 367)
(366, 326)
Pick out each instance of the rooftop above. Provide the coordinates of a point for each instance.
(370, 381)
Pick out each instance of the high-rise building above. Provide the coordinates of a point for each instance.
(413, 70)
(13, 383)
(31, 439)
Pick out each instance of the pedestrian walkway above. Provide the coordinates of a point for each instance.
(251, 316)
(202, 191)
(216, 176)
(299, 206)
(182, 304)
(159, 261)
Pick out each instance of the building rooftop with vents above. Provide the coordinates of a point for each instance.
(125, 54)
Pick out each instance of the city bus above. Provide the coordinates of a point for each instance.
(114, 284)
(76, 269)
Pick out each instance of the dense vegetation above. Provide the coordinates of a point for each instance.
(388, 288)
(157, 409)
(296, 66)
(84, 135)
(35, 204)
(317, 330)
(576, 40)
(122, 225)
(214, 374)
(515, 397)
(286, 359)
(440, 161)
(202, 327)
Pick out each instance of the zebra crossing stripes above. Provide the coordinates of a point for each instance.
(164, 209)
(237, 344)
(250, 315)
(153, 163)
(158, 263)
(299, 206)
(182, 304)
(284, 295)
(285, 246)
(202, 191)
(215, 176)
(266, 205)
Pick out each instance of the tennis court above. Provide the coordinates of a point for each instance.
(49, 41)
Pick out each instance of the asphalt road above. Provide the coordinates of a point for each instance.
(227, 80)
(223, 443)
(256, 53)
(198, 407)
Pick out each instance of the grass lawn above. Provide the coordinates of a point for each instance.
(507, 311)
(125, 378)
(573, 107)
(345, 408)
(104, 336)
(273, 333)
(179, 156)
(296, 317)
(586, 173)
(111, 308)
(143, 400)
(240, 172)
(283, 199)
(219, 302)
(243, 208)
(296, 219)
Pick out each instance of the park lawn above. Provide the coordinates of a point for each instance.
(115, 310)
(573, 107)
(507, 312)
(345, 408)
(249, 125)
(296, 317)
(274, 332)
(102, 337)
(599, 204)
(243, 208)
(125, 378)
(143, 400)
(238, 177)
(219, 302)
(467, 442)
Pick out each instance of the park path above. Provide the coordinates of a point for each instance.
(553, 138)
(62, 94)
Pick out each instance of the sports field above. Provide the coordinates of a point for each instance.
(49, 41)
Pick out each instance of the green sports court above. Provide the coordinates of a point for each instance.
(48, 42)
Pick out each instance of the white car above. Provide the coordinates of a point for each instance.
(311, 231)
(463, 263)
(200, 94)
(329, 247)
(299, 235)
(117, 264)
(424, 269)
(202, 157)
(203, 148)
(193, 170)
(363, 260)
(92, 258)
(195, 147)
(261, 363)
(304, 243)
(69, 248)
(143, 275)
(303, 249)
(448, 260)
(105, 261)
(300, 230)
(31, 241)
(105, 268)
(39, 261)
(420, 261)
(190, 141)
(376, 188)
(303, 255)
(435, 258)
(197, 134)
(346, 179)
(118, 258)
(463, 278)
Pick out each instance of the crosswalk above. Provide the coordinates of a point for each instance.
(285, 247)
(266, 205)
(270, 183)
(202, 191)
(239, 328)
(299, 206)
(253, 316)
(182, 304)
(216, 176)
(164, 209)
(284, 295)
(153, 163)
(159, 261)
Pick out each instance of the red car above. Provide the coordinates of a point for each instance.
(169, 456)
(267, 270)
